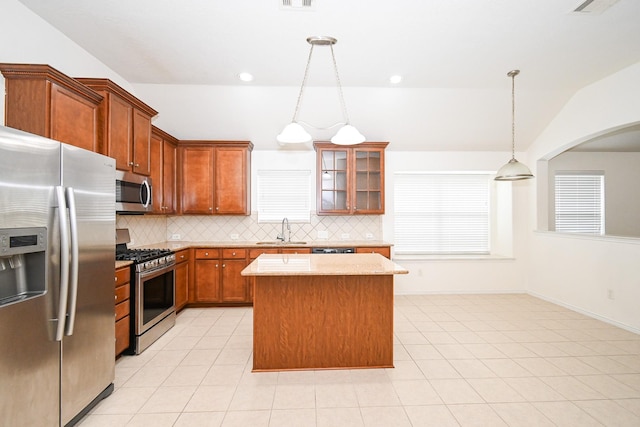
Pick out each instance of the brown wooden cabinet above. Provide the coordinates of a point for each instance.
(382, 250)
(207, 275)
(122, 309)
(183, 258)
(215, 177)
(163, 171)
(350, 180)
(234, 285)
(124, 126)
(41, 100)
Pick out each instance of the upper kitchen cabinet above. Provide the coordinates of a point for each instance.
(41, 100)
(350, 179)
(163, 171)
(215, 177)
(125, 126)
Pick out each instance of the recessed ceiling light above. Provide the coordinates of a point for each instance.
(395, 79)
(245, 77)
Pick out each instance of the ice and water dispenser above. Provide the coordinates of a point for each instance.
(22, 263)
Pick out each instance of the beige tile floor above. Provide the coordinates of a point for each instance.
(460, 360)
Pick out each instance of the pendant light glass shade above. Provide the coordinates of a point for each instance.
(294, 133)
(348, 135)
(513, 170)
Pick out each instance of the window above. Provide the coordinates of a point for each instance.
(579, 202)
(284, 193)
(441, 213)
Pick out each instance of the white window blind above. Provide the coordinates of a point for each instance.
(284, 193)
(579, 202)
(441, 213)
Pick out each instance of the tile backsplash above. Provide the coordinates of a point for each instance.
(148, 229)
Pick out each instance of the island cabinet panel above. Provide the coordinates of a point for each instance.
(385, 251)
(183, 258)
(41, 100)
(125, 126)
(215, 177)
(350, 180)
(207, 275)
(323, 322)
(163, 172)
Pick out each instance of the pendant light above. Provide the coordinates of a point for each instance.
(513, 170)
(294, 133)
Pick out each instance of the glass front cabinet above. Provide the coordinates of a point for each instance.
(350, 179)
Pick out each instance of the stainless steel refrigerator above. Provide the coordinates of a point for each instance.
(57, 240)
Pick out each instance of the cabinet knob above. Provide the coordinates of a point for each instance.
(206, 254)
(130, 163)
(116, 279)
(223, 265)
(181, 256)
(216, 265)
(115, 297)
(137, 165)
(210, 209)
(233, 254)
(217, 208)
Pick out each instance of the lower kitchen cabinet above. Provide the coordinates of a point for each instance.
(207, 275)
(382, 250)
(122, 309)
(183, 258)
(234, 285)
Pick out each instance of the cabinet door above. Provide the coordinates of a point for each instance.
(231, 181)
(141, 142)
(74, 120)
(119, 131)
(333, 181)
(168, 178)
(157, 169)
(197, 180)
(234, 285)
(182, 284)
(368, 183)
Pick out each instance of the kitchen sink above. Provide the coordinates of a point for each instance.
(279, 243)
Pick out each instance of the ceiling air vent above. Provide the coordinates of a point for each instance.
(592, 6)
(297, 4)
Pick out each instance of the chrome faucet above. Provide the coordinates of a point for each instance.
(281, 235)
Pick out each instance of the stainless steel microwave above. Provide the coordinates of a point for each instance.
(133, 193)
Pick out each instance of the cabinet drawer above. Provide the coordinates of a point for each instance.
(122, 309)
(207, 253)
(122, 293)
(123, 275)
(296, 251)
(182, 256)
(255, 253)
(234, 253)
(122, 334)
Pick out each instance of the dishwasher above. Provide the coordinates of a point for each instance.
(333, 250)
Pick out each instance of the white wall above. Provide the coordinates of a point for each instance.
(577, 271)
(26, 38)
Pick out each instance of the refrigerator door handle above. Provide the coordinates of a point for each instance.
(73, 274)
(64, 262)
(147, 187)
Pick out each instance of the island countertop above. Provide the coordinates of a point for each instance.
(322, 264)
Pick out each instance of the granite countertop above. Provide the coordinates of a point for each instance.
(322, 264)
(177, 245)
(122, 264)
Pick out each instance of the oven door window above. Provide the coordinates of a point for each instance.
(157, 296)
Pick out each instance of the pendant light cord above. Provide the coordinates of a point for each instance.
(304, 82)
(513, 75)
(342, 103)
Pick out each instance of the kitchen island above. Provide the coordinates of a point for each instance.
(322, 311)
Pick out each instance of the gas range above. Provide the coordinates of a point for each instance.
(146, 259)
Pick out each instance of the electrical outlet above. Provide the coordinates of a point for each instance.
(610, 294)
(234, 236)
(323, 234)
(345, 236)
(368, 236)
(175, 237)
